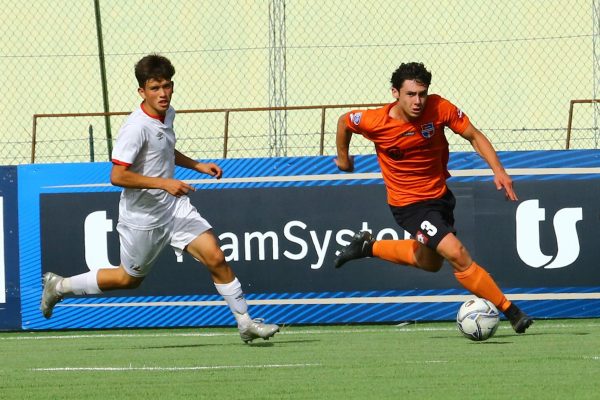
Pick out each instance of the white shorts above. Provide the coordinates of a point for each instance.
(140, 248)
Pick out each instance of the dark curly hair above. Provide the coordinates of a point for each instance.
(410, 71)
(153, 66)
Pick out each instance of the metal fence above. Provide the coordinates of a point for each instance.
(514, 67)
(316, 142)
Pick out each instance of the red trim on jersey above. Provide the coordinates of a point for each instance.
(161, 118)
(115, 161)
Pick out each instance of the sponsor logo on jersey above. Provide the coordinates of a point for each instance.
(355, 118)
(406, 134)
(459, 113)
(160, 135)
(395, 153)
(427, 130)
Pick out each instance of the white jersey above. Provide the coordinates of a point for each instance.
(147, 146)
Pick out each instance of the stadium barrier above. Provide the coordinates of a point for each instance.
(280, 222)
(10, 305)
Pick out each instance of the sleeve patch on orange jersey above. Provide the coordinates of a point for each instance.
(355, 118)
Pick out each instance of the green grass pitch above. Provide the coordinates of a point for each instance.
(555, 359)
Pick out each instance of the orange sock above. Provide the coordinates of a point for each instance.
(480, 283)
(396, 251)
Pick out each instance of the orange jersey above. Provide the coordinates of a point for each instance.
(413, 156)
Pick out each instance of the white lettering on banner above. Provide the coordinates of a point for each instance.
(261, 237)
(293, 232)
(255, 244)
(528, 218)
(2, 263)
(287, 233)
(233, 247)
(96, 227)
(321, 248)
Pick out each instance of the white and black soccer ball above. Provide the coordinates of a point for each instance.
(478, 319)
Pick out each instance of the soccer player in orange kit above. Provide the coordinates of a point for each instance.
(413, 153)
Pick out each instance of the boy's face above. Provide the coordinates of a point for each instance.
(157, 95)
(411, 97)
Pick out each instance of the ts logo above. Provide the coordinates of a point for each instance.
(96, 227)
(529, 215)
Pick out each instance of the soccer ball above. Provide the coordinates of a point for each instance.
(477, 319)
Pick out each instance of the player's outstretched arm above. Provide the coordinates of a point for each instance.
(344, 161)
(484, 148)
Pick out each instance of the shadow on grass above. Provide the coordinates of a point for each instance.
(276, 342)
(179, 346)
(489, 341)
(543, 333)
(262, 343)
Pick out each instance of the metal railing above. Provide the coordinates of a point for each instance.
(228, 111)
(570, 123)
(225, 111)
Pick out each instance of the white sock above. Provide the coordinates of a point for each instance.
(234, 296)
(82, 284)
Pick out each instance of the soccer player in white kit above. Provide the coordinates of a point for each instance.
(154, 209)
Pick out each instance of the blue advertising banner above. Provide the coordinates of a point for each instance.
(10, 307)
(281, 221)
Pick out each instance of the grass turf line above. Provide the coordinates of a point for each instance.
(555, 359)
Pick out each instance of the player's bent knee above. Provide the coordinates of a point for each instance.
(435, 267)
(215, 259)
(134, 284)
(428, 260)
(431, 265)
(457, 255)
(130, 282)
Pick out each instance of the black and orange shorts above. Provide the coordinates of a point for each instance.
(428, 221)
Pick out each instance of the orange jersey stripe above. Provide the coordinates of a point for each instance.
(413, 156)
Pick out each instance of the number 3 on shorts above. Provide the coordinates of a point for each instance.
(429, 228)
